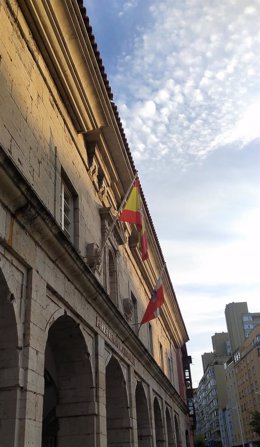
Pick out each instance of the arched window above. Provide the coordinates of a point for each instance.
(143, 423)
(117, 407)
(177, 431)
(68, 418)
(159, 431)
(170, 434)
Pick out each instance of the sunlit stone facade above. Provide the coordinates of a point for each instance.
(243, 390)
(74, 370)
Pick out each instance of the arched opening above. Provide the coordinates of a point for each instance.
(187, 438)
(170, 434)
(118, 420)
(159, 432)
(68, 410)
(112, 278)
(143, 423)
(9, 366)
(177, 431)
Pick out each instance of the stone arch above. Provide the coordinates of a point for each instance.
(169, 427)
(68, 405)
(159, 431)
(177, 431)
(9, 366)
(187, 438)
(112, 276)
(117, 407)
(144, 432)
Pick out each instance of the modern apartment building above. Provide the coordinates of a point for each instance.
(74, 369)
(240, 374)
(243, 390)
(240, 322)
(211, 398)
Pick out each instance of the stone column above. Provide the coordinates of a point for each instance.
(34, 351)
(132, 409)
(164, 422)
(151, 399)
(101, 433)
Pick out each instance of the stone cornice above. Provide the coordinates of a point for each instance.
(45, 23)
(60, 34)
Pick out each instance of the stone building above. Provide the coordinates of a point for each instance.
(74, 369)
(243, 390)
(211, 396)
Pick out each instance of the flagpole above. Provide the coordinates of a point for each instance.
(138, 330)
(97, 264)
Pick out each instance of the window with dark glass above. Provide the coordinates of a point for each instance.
(161, 356)
(150, 338)
(134, 313)
(68, 208)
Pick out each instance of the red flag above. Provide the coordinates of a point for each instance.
(132, 209)
(156, 301)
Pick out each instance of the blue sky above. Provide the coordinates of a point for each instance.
(185, 77)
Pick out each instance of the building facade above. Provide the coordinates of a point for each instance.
(211, 397)
(240, 322)
(243, 389)
(238, 359)
(74, 368)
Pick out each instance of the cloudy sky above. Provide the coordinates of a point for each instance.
(185, 75)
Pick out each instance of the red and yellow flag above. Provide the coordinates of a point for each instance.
(132, 209)
(133, 213)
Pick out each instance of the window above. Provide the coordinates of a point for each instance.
(134, 314)
(161, 356)
(170, 368)
(228, 347)
(68, 199)
(247, 318)
(236, 356)
(257, 339)
(248, 326)
(150, 338)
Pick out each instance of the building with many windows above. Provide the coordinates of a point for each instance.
(243, 390)
(239, 387)
(240, 322)
(211, 398)
(74, 368)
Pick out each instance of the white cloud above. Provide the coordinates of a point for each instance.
(147, 109)
(126, 6)
(195, 57)
(247, 128)
(250, 10)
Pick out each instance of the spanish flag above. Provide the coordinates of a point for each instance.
(132, 210)
(156, 301)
